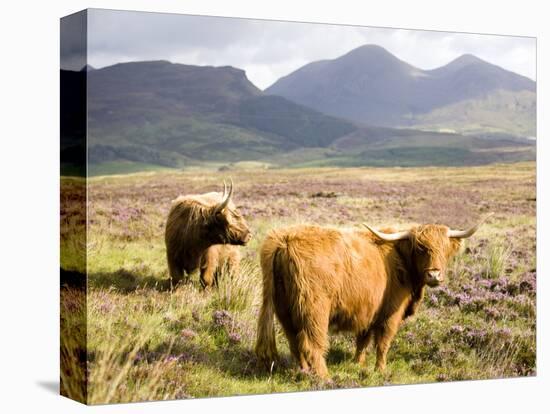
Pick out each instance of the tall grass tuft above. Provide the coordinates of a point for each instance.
(497, 257)
(121, 373)
(73, 344)
(239, 292)
(503, 356)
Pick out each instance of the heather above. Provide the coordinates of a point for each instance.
(147, 341)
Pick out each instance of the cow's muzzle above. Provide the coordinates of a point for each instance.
(243, 240)
(434, 277)
(247, 237)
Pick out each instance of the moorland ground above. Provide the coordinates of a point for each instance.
(146, 341)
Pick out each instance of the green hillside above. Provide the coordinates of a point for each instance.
(175, 115)
(157, 115)
(498, 112)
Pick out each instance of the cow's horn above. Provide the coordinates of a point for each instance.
(462, 234)
(226, 195)
(389, 236)
(224, 190)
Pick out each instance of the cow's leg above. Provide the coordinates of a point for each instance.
(176, 270)
(266, 347)
(384, 338)
(312, 342)
(318, 363)
(290, 333)
(362, 342)
(233, 262)
(208, 267)
(272, 296)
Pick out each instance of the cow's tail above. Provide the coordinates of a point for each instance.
(266, 348)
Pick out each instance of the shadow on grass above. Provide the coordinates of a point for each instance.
(336, 356)
(233, 359)
(71, 279)
(240, 362)
(127, 281)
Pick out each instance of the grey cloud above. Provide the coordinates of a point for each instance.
(267, 50)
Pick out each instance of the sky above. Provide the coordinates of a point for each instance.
(268, 50)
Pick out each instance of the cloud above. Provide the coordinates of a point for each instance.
(268, 50)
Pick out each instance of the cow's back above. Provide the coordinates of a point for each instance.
(315, 256)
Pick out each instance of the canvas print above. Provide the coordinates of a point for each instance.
(252, 206)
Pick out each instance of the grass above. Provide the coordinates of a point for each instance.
(497, 258)
(147, 342)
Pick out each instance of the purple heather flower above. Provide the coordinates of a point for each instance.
(234, 337)
(188, 333)
(505, 332)
(221, 318)
(175, 358)
(493, 312)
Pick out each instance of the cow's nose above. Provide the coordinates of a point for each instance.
(435, 274)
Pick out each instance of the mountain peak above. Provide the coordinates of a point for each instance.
(465, 60)
(370, 51)
(468, 58)
(369, 48)
(372, 86)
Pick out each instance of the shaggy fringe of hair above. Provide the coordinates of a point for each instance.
(432, 238)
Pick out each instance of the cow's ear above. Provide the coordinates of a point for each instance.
(219, 215)
(456, 244)
(405, 248)
(407, 265)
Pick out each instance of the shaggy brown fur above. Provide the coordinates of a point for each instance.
(198, 236)
(350, 280)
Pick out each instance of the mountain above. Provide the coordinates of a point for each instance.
(173, 114)
(371, 86)
(150, 115)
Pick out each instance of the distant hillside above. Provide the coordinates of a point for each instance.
(497, 112)
(151, 115)
(370, 85)
(173, 114)
(381, 146)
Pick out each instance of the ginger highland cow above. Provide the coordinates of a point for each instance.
(203, 231)
(363, 281)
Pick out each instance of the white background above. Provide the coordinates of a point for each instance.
(29, 160)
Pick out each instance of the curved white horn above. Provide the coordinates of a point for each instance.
(389, 236)
(462, 234)
(226, 195)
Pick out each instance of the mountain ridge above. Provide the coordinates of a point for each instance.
(372, 86)
(172, 114)
(156, 113)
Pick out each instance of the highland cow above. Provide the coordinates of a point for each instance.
(363, 281)
(203, 231)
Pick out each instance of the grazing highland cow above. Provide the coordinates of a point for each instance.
(202, 231)
(363, 281)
